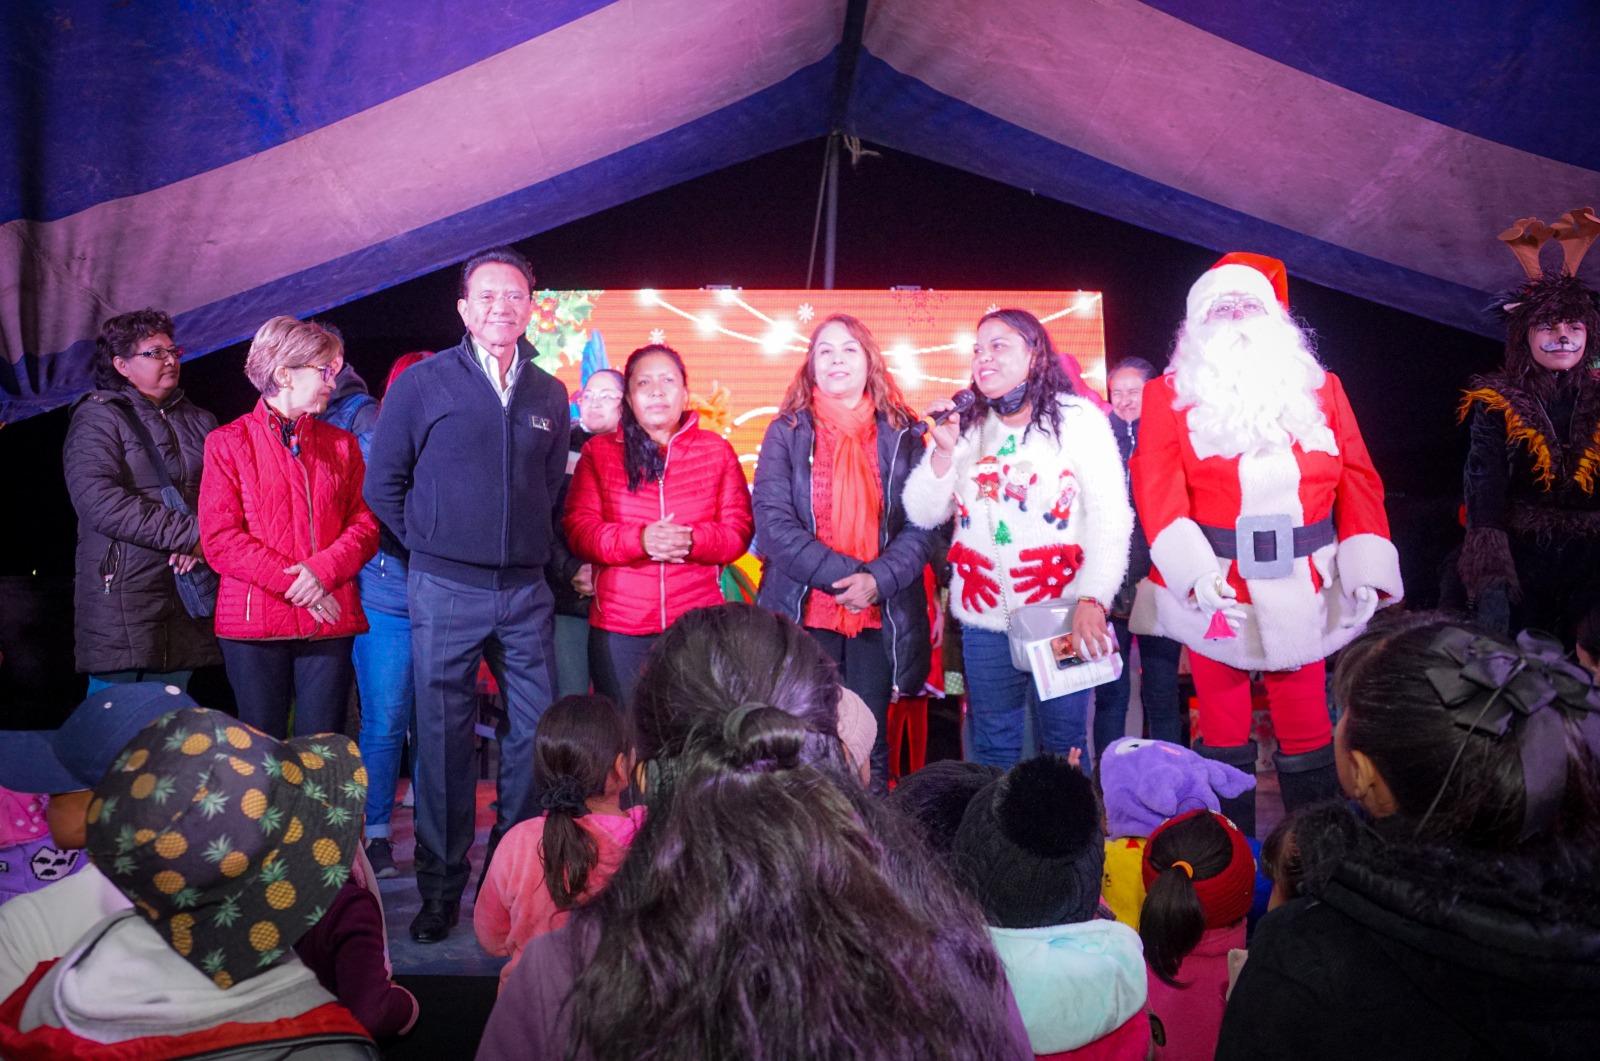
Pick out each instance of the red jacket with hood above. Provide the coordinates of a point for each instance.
(703, 487)
(264, 507)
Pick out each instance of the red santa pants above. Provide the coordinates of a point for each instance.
(1297, 699)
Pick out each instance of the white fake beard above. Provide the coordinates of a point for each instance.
(1249, 385)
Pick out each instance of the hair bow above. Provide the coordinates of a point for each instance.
(566, 794)
(1494, 688)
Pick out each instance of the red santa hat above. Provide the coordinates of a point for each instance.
(1243, 273)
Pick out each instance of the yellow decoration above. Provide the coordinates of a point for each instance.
(280, 895)
(294, 832)
(264, 936)
(325, 851)
(144, 836)
(311, 761)
(237, 737)
(171, 845)
(234, 863)
(168, 882)
(136, 760)
(142, 786)
(253, 803)
(240, 767)
(1516, 430)
(95, 806)
(195, 743)
(222, 979)
(714, 412)
(360, 776)
(292, 773)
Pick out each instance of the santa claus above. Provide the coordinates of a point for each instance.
(1268, 538)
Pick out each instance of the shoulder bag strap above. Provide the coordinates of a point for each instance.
(170, 495)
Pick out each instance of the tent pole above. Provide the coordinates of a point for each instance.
(831, 237)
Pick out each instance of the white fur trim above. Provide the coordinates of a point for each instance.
(1182, 554)
(1214, 283)
(930, 499)
(1371, 560)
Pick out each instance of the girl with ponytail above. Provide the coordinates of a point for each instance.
(769, 907)
(1199, 877)
(548, 865)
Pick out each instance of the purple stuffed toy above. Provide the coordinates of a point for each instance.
(1148, 781)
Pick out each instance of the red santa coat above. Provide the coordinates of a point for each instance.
(1289, 621)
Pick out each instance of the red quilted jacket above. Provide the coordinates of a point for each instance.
(703, 488)
(263, 509)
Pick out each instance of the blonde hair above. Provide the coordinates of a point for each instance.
(284, 342)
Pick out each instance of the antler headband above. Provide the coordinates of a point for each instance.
(1575, 230)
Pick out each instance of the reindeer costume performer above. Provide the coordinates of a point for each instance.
(1532, 554)
(1267, 530)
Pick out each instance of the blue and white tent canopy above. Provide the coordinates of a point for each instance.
(232, 161)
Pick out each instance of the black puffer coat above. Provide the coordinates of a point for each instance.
(128, 615)
(796, 562)
(1410, 951)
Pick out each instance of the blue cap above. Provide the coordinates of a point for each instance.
(79, 754)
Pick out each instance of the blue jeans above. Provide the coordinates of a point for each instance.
(382, 657)
(999, 698)
(1158, 690)
(106, 680)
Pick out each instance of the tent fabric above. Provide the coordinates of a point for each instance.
(229, 162)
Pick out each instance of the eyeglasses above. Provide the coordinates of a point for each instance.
(1250, 307)
(162, 353)
(327, 372)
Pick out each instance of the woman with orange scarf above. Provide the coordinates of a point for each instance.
(840, 557)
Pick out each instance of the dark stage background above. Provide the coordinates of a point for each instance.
(902, 220)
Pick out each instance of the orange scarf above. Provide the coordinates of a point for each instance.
(857, 499)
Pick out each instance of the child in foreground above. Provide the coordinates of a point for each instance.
(1200, 877)
(1031, 850)
(547, 865)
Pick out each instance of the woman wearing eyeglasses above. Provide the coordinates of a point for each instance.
(129, 624)
(283, 522)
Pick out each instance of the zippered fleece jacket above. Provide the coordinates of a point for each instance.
(702, 488)
(264, 508)
(467, 485)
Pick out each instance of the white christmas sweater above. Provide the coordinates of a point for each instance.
(1036, 518)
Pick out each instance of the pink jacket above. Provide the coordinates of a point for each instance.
(703, 488)
(514, 907)
(1190, 1017)
(264, 508)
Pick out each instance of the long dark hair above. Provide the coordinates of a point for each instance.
(642, 457)
(1047, 379)
(1453, 786)
(575, 746)
(118, 337)
(769, 906)
(882, 390)
(1172, 920)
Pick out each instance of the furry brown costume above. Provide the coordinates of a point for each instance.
(1533, 510)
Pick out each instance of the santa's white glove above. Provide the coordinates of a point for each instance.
(1360, 607)
(1213, 594)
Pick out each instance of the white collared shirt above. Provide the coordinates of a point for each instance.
(491, 366)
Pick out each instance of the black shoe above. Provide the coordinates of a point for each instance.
(1307, 778)
(1240, 809)
(433, 923)
(381, 854)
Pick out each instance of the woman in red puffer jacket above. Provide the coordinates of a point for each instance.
(658, 506)
(282, 521)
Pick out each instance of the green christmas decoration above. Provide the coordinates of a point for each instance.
(560, 327)
(1002, 534)
(1009, 448)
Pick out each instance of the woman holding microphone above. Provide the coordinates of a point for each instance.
(1032, 477)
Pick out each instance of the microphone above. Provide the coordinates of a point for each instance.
(963, 399)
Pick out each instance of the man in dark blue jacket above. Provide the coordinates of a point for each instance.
(466, 466)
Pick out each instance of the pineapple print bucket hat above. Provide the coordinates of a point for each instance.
(231, 843)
